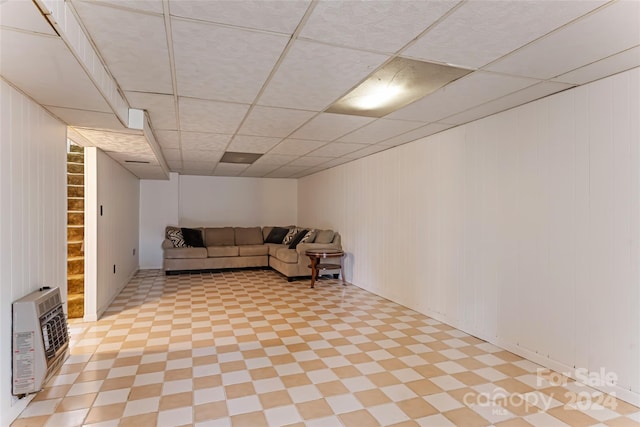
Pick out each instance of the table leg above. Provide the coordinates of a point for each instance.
(314, 270)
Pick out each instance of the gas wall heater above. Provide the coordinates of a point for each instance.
(40, 339)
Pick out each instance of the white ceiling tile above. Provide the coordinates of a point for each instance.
(161, 108)
(199, 166)
(274, 122)
(85, 118)
(140, 39)
(146, 171)
(275, 159)
(373, 25)
(614, 64)
(171, 154)
(201, 155)
(221, 63)
(252, 144)
(24, 15)
(416, 134)
(313, 75)
(469, 91)
(509, 101)
(336, 149)
(150, 6)
(380, 130)
(167, 139)
(608, 31)
(116, 141)
(174, 164)
(229, 169)
(309, 161)
(328, 126)
(296, 146)
(24, 56)
(137, 157)
(479, 32)
(367, 151)
(210, 116)
(286, 171)
(259, 14)
(337, 162)
(257, 170)
(204, 141)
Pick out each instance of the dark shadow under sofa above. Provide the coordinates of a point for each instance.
(241, 247)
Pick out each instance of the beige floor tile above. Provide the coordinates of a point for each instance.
(372, 397)
(314, 409)
(361, 418)
(149, 419)
(210, 411)
(466, 417)
(177, 400)
(72, 403)
(252, 419)
(275, 398)
(105, 413)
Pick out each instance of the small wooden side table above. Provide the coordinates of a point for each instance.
(320, 262)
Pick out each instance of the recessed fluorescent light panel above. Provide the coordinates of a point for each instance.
(235, 157)
(400, 82)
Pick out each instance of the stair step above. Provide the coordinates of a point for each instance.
(75, 168)
(75, 158)
(75, 306)
(75, 284)
(76, 148)
(75, 179)
(75, 219)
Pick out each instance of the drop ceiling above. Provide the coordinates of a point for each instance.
(259, 76)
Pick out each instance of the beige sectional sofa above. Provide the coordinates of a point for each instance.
(239, 247)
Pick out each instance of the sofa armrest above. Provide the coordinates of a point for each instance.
(303, 247)
(166, 244)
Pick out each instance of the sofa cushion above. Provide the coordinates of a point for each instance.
(273, 248)
(253, 250)
(248, 236)
(287, 255)
(276, 235)
(219, 236)
(324, 236)
(193, 237)
(222, 251)
(182, 253)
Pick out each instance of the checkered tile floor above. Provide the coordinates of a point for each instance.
(247, 348)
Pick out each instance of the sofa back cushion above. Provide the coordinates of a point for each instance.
(324, 236)
(219, 236)
(248, 236)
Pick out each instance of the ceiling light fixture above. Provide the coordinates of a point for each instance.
(398, 83)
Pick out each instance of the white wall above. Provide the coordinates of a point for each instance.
(32, 216)
(115, 239)
(521, 228)
(198, 201)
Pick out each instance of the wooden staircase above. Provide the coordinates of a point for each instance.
(75, 231)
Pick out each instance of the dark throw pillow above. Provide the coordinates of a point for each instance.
(192, 237)
(298, 238)
(276, 235)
